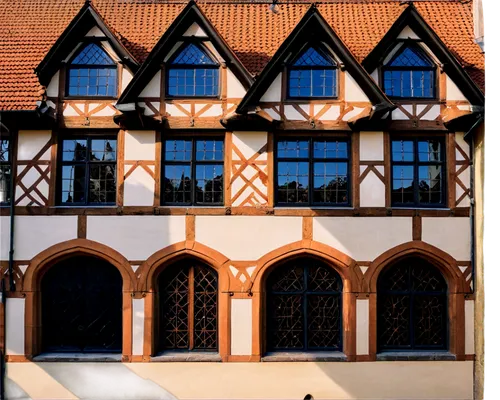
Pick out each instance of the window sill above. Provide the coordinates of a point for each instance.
(304, 356)
(416, 356)
(179, 356)
(80, 357)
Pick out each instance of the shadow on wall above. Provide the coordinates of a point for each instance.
(79, 381)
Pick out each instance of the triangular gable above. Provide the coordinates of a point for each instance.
(87, 22)
(191, 21)
(314, 26)
(411, 24)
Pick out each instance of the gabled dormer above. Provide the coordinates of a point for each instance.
(314, 82)
(85, 72)
(190, 79)
(421, 75)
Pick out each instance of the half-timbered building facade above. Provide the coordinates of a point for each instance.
(287, 185)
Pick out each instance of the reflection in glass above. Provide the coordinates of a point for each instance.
(5, 171)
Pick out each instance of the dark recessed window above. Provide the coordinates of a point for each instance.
(304, 307)
(412, 307)
(193, 171)
(188, 307)
(312, 172)
(418, 172)
(88, 171)
(410, 73)
(192, 73)
(312, 74)
(92, 72)
(5, 170)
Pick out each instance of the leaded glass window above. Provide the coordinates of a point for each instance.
(304, 307)
(193, 73)
(92, 72)
(5, 170)
(418, 172)
(193, 171)
(88, 171)
(412, 307)
(312, 172)
(410, 73)
(187, 307)
(312, 74)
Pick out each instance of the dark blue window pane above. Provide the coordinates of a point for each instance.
(193, 82)
(402, 150)
(92, 54)
(209, 150)
(312, 57)
(293, 149)
(330, 149)
(177, 150)
(402, 184)
(209, 183)
(330, 182)
(410, 57)
(293, 182)
(177, 183)
(193, 55)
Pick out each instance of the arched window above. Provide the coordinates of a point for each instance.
(304, 307)
(82, 306)
(187, 307)
(193, 72)
(92, 72)
(410, 73)
(312, 74)
(412, 307)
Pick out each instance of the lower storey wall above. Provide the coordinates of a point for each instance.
(370, 380)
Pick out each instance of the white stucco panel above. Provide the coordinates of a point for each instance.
(407, 33)
(353, 91)
(95, 32)
(451, 235)
(452, 91)
(274, 91)
(152, 89)
(126, 78)
(459, 139)
(292, 114)
(362, 323)
(53, 86)
(235, 89)
(139, 187)
(241, 326)
(174, 111)
(31, 142)
(34, 234)
(140, 145)
(372, 191)
(352, 114)
(360, 237)
(469, 327)
(371, 146)
(397, 114)
(195, 30)
(137, 326)
(14, 325)
(430, 115)
(4, 238)
(247, 237)
(332, 114)
(249, 143)
(136, 237)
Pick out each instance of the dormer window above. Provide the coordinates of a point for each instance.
(92, 72)
(312, 74)
(193, 72)
(410, 74)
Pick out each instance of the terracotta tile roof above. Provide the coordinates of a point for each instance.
(28, 29)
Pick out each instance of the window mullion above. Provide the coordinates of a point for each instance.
(191, 307)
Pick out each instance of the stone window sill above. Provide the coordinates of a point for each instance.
(171, 356)
(80, 357)
(416, 356)
(304, 356)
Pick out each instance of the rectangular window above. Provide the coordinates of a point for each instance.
(5, 170)
(418, 172)
(88, 171)
(193, 171)
(312, 172)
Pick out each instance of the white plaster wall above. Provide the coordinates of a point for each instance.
(430, 115)
(14, 326)
(174, 111)
(465, 178)
(362, 238)
(401, 380)
(34, 234)
(213, 111)
(332, 114)
(451, 235)
(137, 326)
(53, 86)
(95, 32)
(292, 114)
(31, 142)
(374, 76)
(241, 326)
(371, 146)
(274, 91)
(71, 112)
(126, 78)
(152, 89)
(362, 323)
(452, 91)
(136, 237)
(397, 114)
(195, 30)
(469, 327)
(352, 114)
(235, 89)
(247, 237)
(139, 187)
(407, 33)
(459, 138)
(140, 145)
(353, 91)
(249, 143)
(31, 176)
(4, 237)
(105, 112)
(372, 190)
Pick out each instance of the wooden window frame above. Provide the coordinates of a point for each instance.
(415, 164)
(88, 137)
(311, 160)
